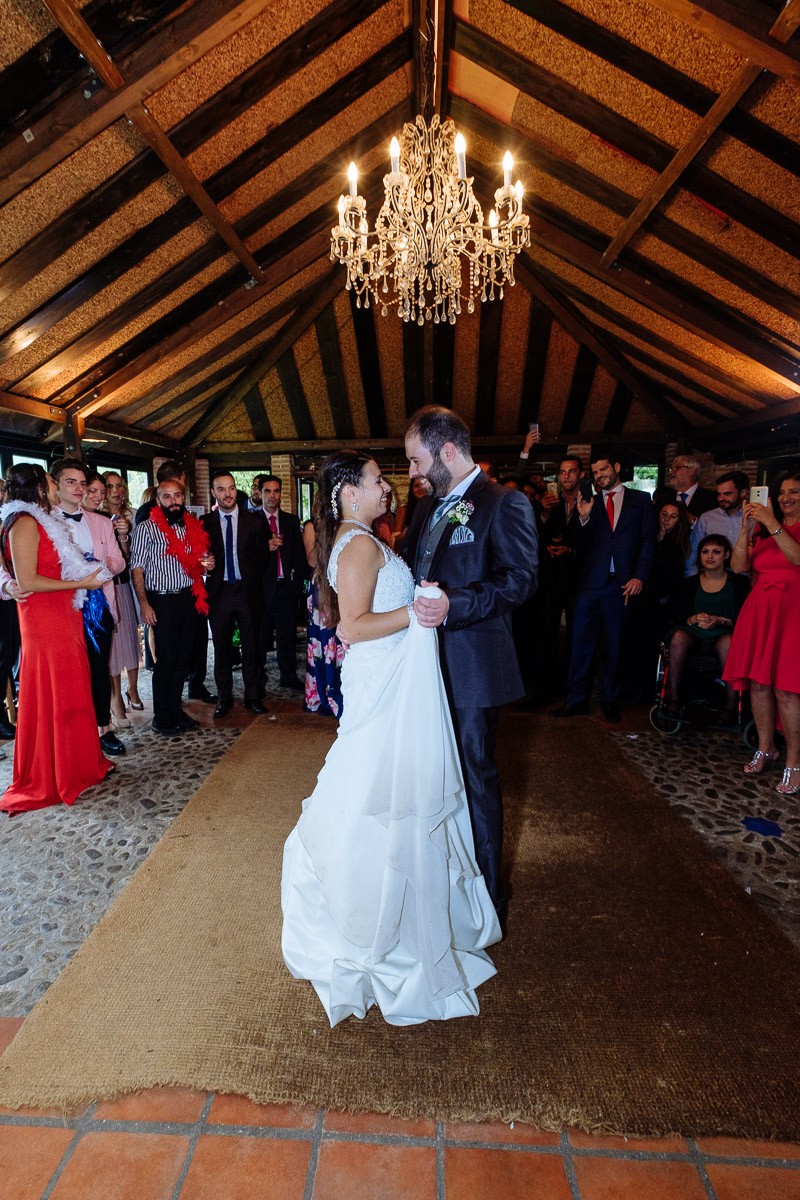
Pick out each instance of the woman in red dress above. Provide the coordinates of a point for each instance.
(57, 750)
(765, 650)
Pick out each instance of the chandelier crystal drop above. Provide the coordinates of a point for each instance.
(430, 231)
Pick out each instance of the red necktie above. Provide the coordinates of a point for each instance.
(610, 508)
(273, 524)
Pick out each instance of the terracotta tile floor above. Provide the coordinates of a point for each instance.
(176, 1144)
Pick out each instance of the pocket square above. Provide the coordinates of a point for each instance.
(461, 536)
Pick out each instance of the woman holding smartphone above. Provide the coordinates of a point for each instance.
(765, 649)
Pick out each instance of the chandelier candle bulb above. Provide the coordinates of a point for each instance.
(461, 156)
(493, 221)
(394, 154)
(508, 167)
(352, 175)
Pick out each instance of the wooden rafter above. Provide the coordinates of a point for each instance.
(764, 416)
(59, 416)
(724, 22)
(80, 34)
(577, 326)
(292, 330)
(76, 120)
(782, 30)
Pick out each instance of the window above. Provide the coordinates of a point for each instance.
(29, 458)
(645, 479)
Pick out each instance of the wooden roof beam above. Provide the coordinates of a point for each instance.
(782, 30)
(80, 34)
(376, 443)
(292, 330)
(724, 22)
(76, 120)
(59, 416)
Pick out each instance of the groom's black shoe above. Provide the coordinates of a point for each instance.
(571, 710)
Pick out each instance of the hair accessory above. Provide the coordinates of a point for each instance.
(334, 506)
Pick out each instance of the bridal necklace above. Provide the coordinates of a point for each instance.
(352, 521)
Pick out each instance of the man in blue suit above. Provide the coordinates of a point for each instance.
(616, 545)
(478, 541)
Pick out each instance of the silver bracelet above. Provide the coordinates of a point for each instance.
(775, 532)
(410, 608)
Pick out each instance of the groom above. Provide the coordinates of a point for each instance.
(478, 541)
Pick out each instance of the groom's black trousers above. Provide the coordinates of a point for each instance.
(476, 735)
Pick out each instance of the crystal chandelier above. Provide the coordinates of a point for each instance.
(429, 230)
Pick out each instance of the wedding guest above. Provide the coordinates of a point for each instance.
(169, 556)
(707, 610)
(282, 584)
(94, 535)
(57, 751)
(402, 520)
(765, 652)
(125, 648)
(9, 645)
(725, 519)
(237, 543)
(683, 484)
(325, 653)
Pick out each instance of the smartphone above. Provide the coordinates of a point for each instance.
(552, 487)
(759, 495)
(586, 489)
(533, 427)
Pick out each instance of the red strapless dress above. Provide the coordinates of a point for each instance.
(57, 749)
(766, 641)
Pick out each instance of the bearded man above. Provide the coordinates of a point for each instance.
(169, 556)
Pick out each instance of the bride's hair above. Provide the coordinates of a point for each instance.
(345, 466)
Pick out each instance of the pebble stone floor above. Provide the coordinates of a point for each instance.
(61, 870)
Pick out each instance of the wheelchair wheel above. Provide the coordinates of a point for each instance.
(664, 722)
(750, 735)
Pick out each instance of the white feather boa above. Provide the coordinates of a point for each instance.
(73, 563)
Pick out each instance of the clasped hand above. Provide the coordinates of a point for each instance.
(430, 611)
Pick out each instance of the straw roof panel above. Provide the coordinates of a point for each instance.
(86, 316)
(562, 354)
(77, 176)
(352, 374)
(277, 409)
(203, 345)
(235, 428)
(778, 106)
(584, 71)
(389, 334)
(465, 365)
(640, 419)
(318, 145)
(750, 373)
(309, 365)
(136, 326)
(511, 359)
(204, 78)
(268, 113)
(600, 396)
(754, 173)
(24, 23)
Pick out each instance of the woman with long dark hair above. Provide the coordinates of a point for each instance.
(57, 750)
(125, 652)
(383, 902)
(765, 652)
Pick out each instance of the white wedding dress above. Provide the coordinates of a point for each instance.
(382, 900)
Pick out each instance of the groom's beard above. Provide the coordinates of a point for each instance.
(439, 478)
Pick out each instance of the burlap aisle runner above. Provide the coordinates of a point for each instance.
(639, 989)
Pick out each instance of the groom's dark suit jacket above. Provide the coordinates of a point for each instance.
(486, 573)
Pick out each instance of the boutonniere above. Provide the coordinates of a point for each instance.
(461, 513)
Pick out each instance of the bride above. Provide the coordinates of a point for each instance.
(382, 900)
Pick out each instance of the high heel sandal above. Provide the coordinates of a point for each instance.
(120, 722)
(761, 761)
(137, 707)
(786, 787)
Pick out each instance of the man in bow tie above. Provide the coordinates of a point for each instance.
(94, 534)
(478, 541)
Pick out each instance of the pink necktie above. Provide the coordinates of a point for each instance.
(273, 524)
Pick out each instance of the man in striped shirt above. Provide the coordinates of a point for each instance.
(164, 590)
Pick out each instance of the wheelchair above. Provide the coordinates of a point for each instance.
(707, 699)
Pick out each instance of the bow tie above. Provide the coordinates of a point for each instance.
(73, 516)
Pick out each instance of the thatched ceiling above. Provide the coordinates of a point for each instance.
(169, 174)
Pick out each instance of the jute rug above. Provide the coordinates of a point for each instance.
(639, 990)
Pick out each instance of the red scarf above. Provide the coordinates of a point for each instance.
(188, 551)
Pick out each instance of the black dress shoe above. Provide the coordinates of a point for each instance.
(255, 707)
(611, 712)
(7, 731)
(223, 708)
(184, 721)
(203, 694)
(110, 744)
(166, 730)
(571, 710)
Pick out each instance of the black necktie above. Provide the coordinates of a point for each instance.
(74, 516)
